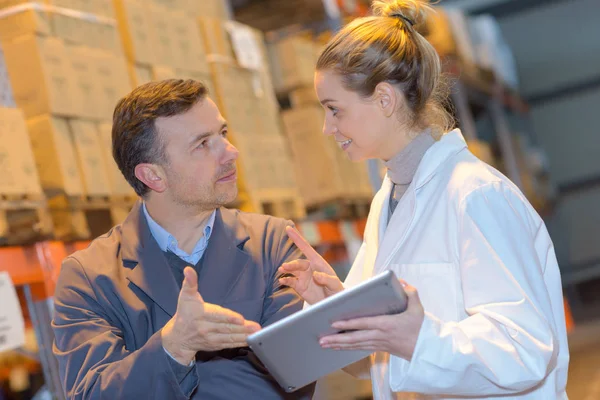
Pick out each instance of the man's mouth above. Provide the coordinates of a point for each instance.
(229, 176)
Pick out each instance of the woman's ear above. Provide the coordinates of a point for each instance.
(386, 98)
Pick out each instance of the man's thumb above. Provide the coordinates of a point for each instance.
(190, 281)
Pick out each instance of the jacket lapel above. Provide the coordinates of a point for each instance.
(402, 219)
(376, 225)
(396, 230)
(224, 262)
(145, 263)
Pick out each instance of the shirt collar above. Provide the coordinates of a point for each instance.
(166, 241)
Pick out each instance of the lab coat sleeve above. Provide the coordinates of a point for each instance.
(507, 344)
(354, 277)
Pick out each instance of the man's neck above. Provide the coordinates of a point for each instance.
(186, 224)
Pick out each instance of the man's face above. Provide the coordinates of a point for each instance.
(200, 166)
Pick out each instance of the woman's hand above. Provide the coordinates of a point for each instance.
(313, 279)
(395, 334)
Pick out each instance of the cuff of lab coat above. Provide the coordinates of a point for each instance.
(416, 375)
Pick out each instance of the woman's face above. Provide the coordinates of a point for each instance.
(363, 128)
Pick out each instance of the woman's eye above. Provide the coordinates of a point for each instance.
(334, 110)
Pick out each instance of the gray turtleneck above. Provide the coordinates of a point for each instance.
(403, 166)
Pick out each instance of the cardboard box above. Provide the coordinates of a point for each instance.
(7, 99)
(30, 20)
(112, 75)
(316, 171)
(103, 8)
(292, 63)
(107, 38)
(216, 40)
(135, 26)
(209, 8)
(198, 76)
(17, 165)
(41, 76)
(118, 185)
(140, 74)
(55, 158)
(87, 86)
(160, 73)
(236, 96)
(162, 35)
(89, 156)
(188, 45)
(12, 3)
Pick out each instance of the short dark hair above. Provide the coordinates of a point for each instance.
(134, 136)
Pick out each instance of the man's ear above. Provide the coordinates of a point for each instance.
(152, 175)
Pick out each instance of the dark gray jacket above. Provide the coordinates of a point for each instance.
(113, 298)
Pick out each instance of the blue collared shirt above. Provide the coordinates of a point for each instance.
(167, 242)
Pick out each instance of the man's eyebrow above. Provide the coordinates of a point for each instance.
(204, 135)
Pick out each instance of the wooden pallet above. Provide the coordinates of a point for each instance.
(24, 218)
(340, 208)
(283, 203)
(87, 217)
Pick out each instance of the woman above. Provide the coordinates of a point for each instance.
(488, 319)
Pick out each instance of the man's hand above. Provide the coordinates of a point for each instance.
(199, 326)
(313, 279)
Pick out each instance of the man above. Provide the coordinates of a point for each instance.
(160, 306)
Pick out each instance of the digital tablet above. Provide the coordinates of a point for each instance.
(290, 348)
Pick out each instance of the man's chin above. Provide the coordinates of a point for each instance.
(228, 197)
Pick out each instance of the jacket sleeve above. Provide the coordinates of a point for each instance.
(508, 343)
(93, 359)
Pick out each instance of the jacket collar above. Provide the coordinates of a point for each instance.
(450, 144)
(149, 270)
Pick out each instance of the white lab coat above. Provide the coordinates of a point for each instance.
(486, 272)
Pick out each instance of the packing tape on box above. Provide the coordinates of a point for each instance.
(57, 10)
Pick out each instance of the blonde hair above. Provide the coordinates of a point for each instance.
(386, 47)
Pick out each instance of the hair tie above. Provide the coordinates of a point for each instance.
(402, 17)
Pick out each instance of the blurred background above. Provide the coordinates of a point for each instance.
(525, 78)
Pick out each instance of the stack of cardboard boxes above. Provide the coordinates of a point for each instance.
(243, 89)
(324, 172)
(23, 209)
(161, 41)
(67, 71)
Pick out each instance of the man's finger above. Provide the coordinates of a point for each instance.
(230, 341)
(218, 314)
(234, 329)
(303, 245)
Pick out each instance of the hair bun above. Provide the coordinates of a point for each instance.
(413, 12)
